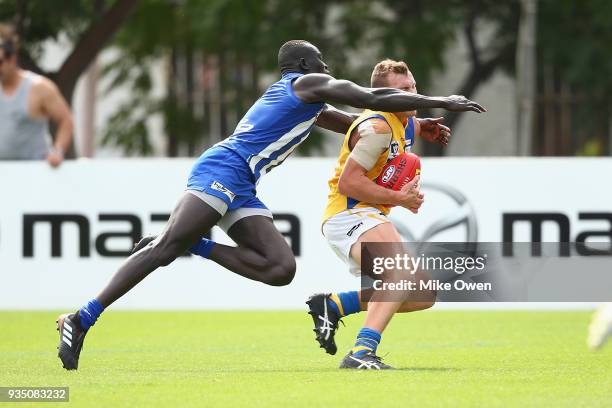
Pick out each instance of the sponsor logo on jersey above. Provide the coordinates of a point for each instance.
(220, 187)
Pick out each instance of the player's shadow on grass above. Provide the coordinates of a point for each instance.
(429, 369)
(336, 369)
(302, 370)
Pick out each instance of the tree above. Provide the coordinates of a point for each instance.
(233, 44)
(485, 60)
(575, 77)
(218, 51)
(90, 26)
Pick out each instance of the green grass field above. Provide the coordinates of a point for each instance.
(233, 359)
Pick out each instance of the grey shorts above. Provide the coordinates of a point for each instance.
(228, 218)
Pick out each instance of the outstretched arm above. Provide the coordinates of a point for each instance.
(312, 88)
(335, 119)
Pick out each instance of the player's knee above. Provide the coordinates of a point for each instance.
(167, 258)
(282, 272)
(164, 257)
(429, 299)
(166, 251)
(288, 271)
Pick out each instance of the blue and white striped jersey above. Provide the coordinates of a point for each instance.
(274, 126)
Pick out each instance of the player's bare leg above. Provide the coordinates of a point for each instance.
(380, 306)
(191, 219)
(380, 311)
(426, 299)
(262, 253)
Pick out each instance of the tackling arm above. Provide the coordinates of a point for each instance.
(335, 119)
(313, 88)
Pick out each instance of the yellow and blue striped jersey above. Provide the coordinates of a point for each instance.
(401, 141)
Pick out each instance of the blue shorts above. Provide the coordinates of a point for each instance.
(222, 173)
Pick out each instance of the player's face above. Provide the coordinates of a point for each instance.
(405, 83)
(316, 63)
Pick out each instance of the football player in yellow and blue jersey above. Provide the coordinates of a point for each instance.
(354, 214)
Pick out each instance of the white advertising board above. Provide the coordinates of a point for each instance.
(45, 265)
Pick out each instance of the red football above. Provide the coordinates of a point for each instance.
(399, 171)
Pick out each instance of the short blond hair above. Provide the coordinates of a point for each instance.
(383, 69)
(9, 40)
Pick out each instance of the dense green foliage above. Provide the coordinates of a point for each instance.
(220, 54)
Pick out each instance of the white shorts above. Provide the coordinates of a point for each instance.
(344, 229)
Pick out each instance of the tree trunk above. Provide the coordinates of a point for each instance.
(254, 81)
(171, 108)
(222, 96)
(480, 71)
(189, 91)
(90, 44)
(550, 96)
(88, 129)
(526, 77)
(206, 104)
(477, 76)
(239, 86)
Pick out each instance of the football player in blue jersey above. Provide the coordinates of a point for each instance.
(221, 187)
